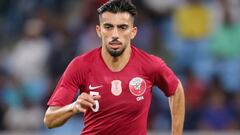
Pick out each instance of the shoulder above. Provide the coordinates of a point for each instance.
(85, 60)
(147, 58)
(88, 57)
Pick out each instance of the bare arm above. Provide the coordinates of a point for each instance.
(177, 107)
(56, 116)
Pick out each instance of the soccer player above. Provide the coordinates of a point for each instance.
(115, 81)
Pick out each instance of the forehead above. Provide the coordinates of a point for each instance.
(116, 18)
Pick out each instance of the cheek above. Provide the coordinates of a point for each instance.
(127, 36)
(106, 35)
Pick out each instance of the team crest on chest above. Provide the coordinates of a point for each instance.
(116, 88)
(137, 86)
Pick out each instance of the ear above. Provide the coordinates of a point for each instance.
(98, 30)
(134, 32)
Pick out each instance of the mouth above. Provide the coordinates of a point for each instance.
(115, 45)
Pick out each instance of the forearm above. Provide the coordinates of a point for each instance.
(177, 107)
(57, 116)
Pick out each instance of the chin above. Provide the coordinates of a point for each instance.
(115, 53)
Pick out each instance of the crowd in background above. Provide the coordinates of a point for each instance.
(198, 39)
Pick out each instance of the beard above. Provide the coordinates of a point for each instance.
(117, 52)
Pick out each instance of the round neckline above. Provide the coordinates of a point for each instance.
(124, 68)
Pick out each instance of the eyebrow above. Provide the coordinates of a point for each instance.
(107, 24)
(122, 25)
(119, 25)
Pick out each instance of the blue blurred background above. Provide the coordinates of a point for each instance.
(198, 39)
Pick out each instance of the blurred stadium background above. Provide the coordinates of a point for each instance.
(198, 39)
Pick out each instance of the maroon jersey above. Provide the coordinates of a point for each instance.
(125, 95)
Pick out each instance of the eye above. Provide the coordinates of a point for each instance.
(123, 27)
(108, 27)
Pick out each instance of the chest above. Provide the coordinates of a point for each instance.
(128, 89)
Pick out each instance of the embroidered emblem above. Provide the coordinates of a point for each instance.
(116, 88)
(137, 86)
(90, 87)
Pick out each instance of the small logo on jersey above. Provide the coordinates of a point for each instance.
(94, 87)
(116, 88)
(137, 86)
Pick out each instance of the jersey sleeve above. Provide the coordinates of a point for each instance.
(68, 85)
(163, 77)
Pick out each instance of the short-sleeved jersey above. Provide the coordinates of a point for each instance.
(125, 95)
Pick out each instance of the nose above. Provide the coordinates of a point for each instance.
(115, 34)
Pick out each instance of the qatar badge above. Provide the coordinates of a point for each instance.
(137, 86)
(116, 88)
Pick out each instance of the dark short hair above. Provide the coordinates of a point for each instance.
(115, 6)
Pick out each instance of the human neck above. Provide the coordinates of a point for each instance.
(116, 64)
